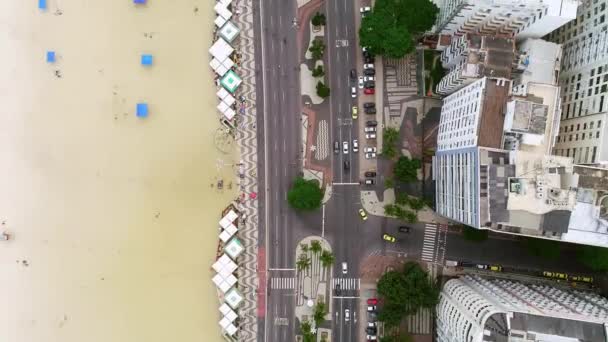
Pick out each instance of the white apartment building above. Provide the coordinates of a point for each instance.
(520, 18)
(471, 56)
(475, 309)
(584, 82)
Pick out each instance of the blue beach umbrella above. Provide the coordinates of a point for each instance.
(146, 59)
(42, 4)
(50, 56)
(142, 110)
(139, 2)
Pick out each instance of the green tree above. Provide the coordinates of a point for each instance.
(409, 216)
(304, 247)
(402, 337)
(318, 19)
(391, 210)
(322, 90)
(406, 169)
(389, 28)
(315, 246)
(318, 71)
(416, 203)
(593, 257)
(327, 259)
(547, 249)
(305, 194)
(389, 183)
(390, 136)
(306, 330)
(317, 47)
(319, 312)
(303, 262)
(405, 292)
(474, 234)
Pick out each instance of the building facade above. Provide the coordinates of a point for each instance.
(584, 82)
(520, 18)
(475, 309)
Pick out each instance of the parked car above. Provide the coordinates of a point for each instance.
(370, 136)
(371, 331)
(369, 72)
(353, 92)
(370, 110)
(370, 155)
(355, 112)
(361, 82)
(389, 238)
(582, 279)
(369, 129)
(370, 149)
(336, 147)
(344, 268)
(369, 84)
(346, 165)
(555, 275)
(372, 317)
(371, 337)
(368, 91)
(347, 315)
(345, 147)
(355, 145)
(369, 181)
(365, 9)
(369, 79)
(371, 308)
(353, 74)
(404, 229)
(369, 105)
(369, 59)
(368, 66)
(372, 301)
(372, 123)
(497, 268)
(370, 174)
(363, 214)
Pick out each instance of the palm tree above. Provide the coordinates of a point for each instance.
(327, 259)
(315, 246)
(304, 247)
(303, 262)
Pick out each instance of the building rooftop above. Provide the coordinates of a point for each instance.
(543, 328)
(537, 61)
(492, 114)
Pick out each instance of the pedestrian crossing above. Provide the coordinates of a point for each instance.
(278, 283)
(428, 246)
(346, 283)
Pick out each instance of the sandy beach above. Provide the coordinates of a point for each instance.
(113, 218)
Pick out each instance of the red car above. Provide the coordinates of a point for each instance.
(372, 301)
(369, 91)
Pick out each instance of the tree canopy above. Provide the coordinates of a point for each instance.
(547, 249)
(318, 19)
(388, 29)
(319, 312)
(305, 194)
(474, 234)
(322, 90)
(327, 258)
(317, 48)
(406, 291)
(406, 169)
(390, 136)
(593, 257)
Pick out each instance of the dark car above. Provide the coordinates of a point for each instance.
(369, 72)
(370, 110)
(336, 147)
(372, 316)
(369, 105)
(353, 74)
(346, 165)
(370, 84)
(370, 174)
(369, 60)
(372, 123)
(371, 330)
(404, 229)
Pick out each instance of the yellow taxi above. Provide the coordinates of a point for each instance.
(363, 214)
(355, 112)
(388, 238)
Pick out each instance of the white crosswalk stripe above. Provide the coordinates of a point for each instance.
(428, 246)
(346, 283)
(282, 283)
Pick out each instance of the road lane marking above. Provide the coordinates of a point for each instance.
(323, 223)
(347, 297)
(345, 184)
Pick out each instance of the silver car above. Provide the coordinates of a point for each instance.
(353, 92)
(370, 136)
(355, 145)
(345, 147)
(370, 155)
(370, 149)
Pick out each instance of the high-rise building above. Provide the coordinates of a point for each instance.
(519, 18)
(583, 132)
(475, 309)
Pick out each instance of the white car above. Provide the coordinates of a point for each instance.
(369, 129)
(368, 66)
(369, 149)
(370, 155)
(347, 315)
(361, 82)
(355, 145)
(353, 92)
(368, 78)
(345, 147)
(365, 9)
(372, 337)
(370, 136)
(344, 268)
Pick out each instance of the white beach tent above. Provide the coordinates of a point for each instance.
(231, 330)
(221, 50)
(222, 93)
(229, 113)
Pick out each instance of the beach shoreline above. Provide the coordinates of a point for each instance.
(113, 218)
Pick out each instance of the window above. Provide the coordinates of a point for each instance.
(593, 154)
(584, 126)
(576, 138)
(571, 128)
(597, 135)
(570, 137)
(578, 127)
(591, 125)
(599, 123)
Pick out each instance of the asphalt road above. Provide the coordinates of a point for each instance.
(278, 110)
